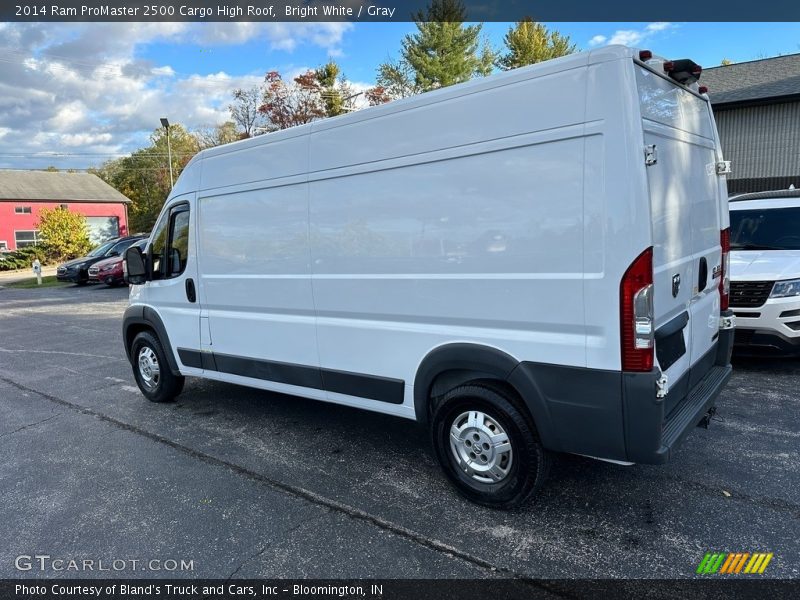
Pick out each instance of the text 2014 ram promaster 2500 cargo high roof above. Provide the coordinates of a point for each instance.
(528, 263)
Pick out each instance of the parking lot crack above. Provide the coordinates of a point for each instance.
(30, 425)
(265, 547)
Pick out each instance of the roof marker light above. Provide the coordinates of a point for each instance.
(645, 55)
(684, 71)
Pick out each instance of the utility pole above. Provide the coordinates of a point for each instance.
(165, 124)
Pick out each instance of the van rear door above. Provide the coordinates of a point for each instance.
(680, 154)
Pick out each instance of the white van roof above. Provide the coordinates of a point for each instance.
(542, 69)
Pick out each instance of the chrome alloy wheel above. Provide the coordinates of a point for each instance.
(481, 447)
(149, 370)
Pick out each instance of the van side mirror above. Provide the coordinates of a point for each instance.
(135, 267)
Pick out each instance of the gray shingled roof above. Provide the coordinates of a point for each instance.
(754, 80)
(57, 187)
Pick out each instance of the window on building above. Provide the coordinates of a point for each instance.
(26, 238)
(22, 210)
(102, 228)
(3, 245)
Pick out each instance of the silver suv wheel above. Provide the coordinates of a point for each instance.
(149, 370)
(481, 447)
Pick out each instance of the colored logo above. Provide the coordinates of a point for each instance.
(734, 563)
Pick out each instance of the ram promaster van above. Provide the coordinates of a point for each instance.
(528, 263)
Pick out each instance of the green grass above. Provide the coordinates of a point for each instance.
(49, 281)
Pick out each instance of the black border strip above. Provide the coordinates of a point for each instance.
(372, 387)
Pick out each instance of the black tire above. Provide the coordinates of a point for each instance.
(167, 385)
(526, 465)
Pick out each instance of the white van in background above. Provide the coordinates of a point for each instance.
(528, 263)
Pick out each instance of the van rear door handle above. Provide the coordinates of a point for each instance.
(191, 295)
(702, 275)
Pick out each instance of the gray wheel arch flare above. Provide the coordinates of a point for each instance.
(477, 362)
(142, 315)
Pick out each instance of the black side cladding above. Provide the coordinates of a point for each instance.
(372, 387)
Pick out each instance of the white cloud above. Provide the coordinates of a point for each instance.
(69, 117)
(627, 37)
(597, 40)
(660, 26)
(81, 88)
(85, 139)
(632, 37)
(165, 71)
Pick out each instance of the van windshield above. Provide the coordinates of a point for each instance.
(766, 229)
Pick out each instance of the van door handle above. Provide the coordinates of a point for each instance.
(191, 295)
(702, 276)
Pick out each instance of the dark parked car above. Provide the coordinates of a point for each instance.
(77, 270)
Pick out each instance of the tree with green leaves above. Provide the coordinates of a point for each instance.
(444, 51)
(144, 175)
(529, 42)
(64, 234)
(395, 80)
(209, 137)
(336, 93)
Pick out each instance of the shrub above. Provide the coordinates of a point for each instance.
(22, 258)
(64, 234)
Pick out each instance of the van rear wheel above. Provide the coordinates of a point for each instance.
(488, 448)
(151, 370)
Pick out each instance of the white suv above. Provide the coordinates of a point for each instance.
(765, 270)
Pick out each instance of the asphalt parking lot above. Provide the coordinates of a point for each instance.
(246, 483)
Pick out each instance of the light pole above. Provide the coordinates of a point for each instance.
(165, 125)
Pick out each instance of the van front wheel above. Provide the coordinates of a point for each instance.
(151, 370)
(487, 447)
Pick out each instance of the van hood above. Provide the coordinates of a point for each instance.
(765, 265)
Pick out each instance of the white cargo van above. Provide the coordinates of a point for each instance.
(529, 263)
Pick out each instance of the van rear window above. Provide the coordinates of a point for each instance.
(666, 102)
(766, 229)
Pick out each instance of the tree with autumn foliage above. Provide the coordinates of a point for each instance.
(323, 92)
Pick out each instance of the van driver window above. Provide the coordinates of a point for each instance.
(179, 243)
(158, 246)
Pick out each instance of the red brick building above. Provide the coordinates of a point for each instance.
(23, 194)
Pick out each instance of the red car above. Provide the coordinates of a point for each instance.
(109, 271)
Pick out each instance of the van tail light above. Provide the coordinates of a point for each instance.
(725, 279)
(636, 314)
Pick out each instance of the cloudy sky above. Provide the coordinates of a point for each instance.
(74, 95)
